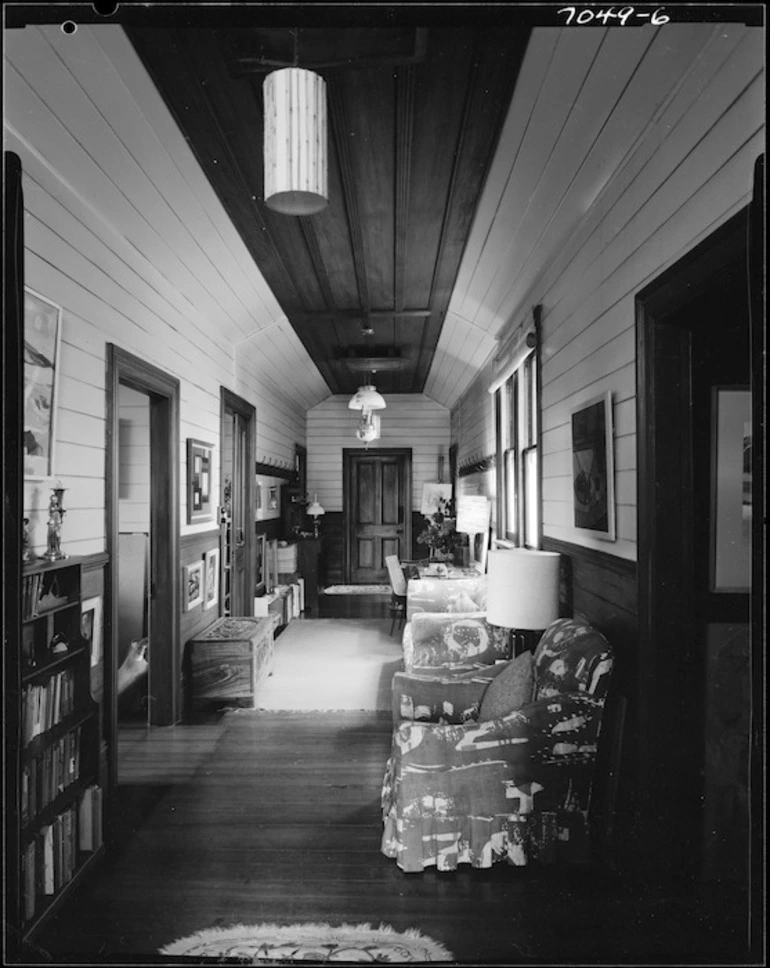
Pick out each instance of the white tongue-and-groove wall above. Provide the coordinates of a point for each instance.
(622, 151)
(123, 231)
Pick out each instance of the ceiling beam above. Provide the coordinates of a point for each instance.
(333, 315)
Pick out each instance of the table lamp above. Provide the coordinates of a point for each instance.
(523, 591)
(315, 511)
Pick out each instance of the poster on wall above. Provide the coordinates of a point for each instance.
(268, 503)
(593, 485)
(42, 336)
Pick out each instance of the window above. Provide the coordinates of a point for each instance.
(519, 476)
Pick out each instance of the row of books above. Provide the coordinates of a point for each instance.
(44, 706)
(40, 594)
(51, 858)
(49, 774)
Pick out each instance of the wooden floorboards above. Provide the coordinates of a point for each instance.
(275, 816)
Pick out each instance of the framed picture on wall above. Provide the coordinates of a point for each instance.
(192, 585)
(91, 627)
(593, 468)
(731, 470)
(199, 468)
(42, 336)
(211, 594)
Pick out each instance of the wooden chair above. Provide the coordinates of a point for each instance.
(397, 591)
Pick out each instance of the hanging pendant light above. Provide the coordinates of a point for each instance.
(295, 142)
(367, 398)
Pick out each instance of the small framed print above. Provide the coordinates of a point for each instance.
(42, 337)
(211, 595)
(199, 468)
(193, 578)
(91, 627)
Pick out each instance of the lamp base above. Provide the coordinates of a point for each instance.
(524, 640)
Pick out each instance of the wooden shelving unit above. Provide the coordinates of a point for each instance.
(59, 798)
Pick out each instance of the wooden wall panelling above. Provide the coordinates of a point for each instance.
(602, 589)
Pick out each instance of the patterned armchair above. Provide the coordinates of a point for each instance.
(514, 788)
(467, 594)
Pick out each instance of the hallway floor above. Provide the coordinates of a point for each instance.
(274, 816)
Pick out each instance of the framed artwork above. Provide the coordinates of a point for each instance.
(731, 469)
(211, 596)
(42, 336)
(199, 467)
(91, 627)
(593, 468)
(432, 495)
(192, 585)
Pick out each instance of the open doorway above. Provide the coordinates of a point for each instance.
(151, 569)
(694, 420)
(134, 685)
(238, 427)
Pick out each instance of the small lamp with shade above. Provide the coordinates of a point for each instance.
(315, 511)
(523, 592)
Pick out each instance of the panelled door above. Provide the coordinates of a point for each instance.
(378, 511)
(238, 430)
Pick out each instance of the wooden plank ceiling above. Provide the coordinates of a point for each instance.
(414, 120)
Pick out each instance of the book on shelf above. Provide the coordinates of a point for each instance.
(90, 818)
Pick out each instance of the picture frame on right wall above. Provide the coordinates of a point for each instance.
(593, 468)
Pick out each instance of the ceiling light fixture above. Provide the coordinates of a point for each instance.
(295, 140)
(367, 398)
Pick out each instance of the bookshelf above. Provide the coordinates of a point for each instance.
(59, 796)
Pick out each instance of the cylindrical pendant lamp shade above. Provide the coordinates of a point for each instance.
(295, 147)
(522, 588)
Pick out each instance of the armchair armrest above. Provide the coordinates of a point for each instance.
(440, 696)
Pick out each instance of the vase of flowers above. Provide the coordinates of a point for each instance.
(440, 535)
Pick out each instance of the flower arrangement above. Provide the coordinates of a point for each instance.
(440, 535)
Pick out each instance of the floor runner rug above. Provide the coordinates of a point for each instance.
(317, 943)
(357, 590)
(332, 664)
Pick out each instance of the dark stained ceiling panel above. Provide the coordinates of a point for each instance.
(414, 119)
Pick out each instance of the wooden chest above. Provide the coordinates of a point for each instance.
(230, 659)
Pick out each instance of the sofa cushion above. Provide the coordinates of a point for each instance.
(443, 594)
(509, 690)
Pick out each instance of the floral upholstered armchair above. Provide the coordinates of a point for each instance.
(490, 785)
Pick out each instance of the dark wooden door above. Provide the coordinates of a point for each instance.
(378, 511)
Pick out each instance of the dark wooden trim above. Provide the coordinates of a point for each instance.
(163, 391)
(348, 456)
(620, 566)
(478, 466)
(95, 561)
(231, 403)
(272, 470)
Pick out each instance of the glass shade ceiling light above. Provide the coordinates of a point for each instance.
(368, 428)
(367, 398)
(295, 142)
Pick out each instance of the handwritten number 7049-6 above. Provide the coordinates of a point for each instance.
(606, 16)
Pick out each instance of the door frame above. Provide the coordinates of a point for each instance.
(165, 664)
(665, 510)
(349, 454)
(231, 402)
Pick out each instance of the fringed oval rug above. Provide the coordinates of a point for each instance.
(357, 590)
(274, 943)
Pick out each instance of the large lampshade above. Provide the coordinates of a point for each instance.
(522, 588)
(295, 141)
(367, 398)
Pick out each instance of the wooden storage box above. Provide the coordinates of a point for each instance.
(230, 659)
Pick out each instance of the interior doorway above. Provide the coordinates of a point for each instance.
(148, 386)
(238, 420)
(693, 340)
(133, 629)
(377, 498)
